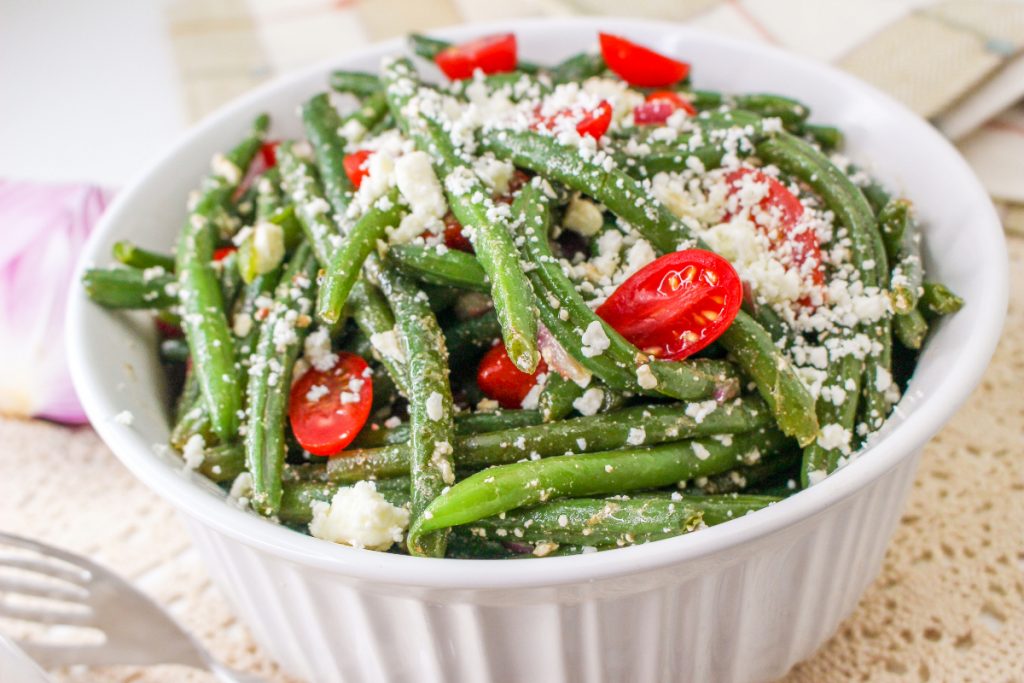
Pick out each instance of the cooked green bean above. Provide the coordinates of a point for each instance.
(204, 320)
(130, 288)
(430, 402)
(269, 387)
(355, 82)
(470, 202)
(440, 267)
(506, 487)
(607, 431)
(939, 300)
(557, 396)
(130, 254)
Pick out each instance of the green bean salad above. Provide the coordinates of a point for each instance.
(531, 310)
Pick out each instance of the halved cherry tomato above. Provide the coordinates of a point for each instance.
(454, 238)
(805, 246)
(491, 54)
(223, 252)
(328, 408)
(593, 123)
(640, 66)
(677, 304)
(268, 152)
(167, 329)
(499, 378)
(355, 166)
(658, 106)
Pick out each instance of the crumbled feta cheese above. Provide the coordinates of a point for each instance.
(590, 402)
(700, 450)
(386, 343)
(645, 378)
(435, 406)
(637, 435)
(835, 437)
(194, 452)
(316, 392)
(360, 517)
(594, 339)
(583, 217)
(317, 349)
(125, 417)
(421, 189)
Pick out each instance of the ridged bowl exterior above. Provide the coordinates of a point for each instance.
(743, 615)
(741, 601)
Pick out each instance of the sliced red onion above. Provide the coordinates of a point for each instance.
(44, 227)
(559, 360)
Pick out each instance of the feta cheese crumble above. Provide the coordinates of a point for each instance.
(360, 517)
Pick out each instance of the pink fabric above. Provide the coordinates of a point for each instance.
(42, 230)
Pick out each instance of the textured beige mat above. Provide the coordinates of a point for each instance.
(948, 605)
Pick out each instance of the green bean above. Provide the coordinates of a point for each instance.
(607, 431)
(373, 316)
(193, 418)
(347, 260)
(911, 329)
(843, 383)
(903, 248)
(355, 82)
(430, 402)
(129, 288)
(746, 340)
(465, 423)
(878, 364)
(204, 320)
(173, 350)
(938, 300)
(578, 68)
(448, 267)
(557, 396)
(594, 522)
(307, 194)
(468, 339)
(371, 112)
(752, 476)
(321, 121)
(506, 487)
(472, 206)
(829, 138)
(269, 387)
(716, 509)
(681, 380)
(135, 256)
(223, 462)
(791, 112)
(230, 279)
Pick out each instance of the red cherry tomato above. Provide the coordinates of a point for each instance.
(659, 106)
(639, 66)
(499, 378)
(454, 238)
(676, 305)
(491, 54)
(780, 200)
(223, 252)
(268, 152)
(355, 166)
(593, 123)
(167, 329)
(328, 408)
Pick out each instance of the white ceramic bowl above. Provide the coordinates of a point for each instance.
(743, 601)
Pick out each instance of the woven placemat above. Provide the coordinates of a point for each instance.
(948, 605)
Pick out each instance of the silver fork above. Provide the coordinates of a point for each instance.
(136, 630)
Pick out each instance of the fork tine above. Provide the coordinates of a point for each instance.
(47, 616)
(54, 591)
(79, 577)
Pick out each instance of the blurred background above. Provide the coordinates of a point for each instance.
(91, 92)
